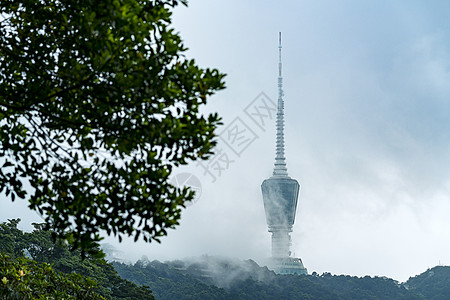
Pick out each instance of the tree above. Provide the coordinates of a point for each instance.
(98, 104)
(11, 238)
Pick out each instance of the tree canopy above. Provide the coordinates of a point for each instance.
(98, 103)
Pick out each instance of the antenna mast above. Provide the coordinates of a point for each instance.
(280, 160)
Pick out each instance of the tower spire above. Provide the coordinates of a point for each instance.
(280, 168)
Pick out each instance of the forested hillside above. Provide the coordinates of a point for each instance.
(222, 278)
(433, 284)
(49, 268)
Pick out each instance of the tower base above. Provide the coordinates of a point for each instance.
(287, 265)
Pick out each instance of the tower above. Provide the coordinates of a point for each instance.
(280, 196)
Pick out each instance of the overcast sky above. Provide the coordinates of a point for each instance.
(367, 98)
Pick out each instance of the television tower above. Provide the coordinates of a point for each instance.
(280, 196)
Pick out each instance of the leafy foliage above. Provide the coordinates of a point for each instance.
(98, 104)
(41, 251)
(26, 279)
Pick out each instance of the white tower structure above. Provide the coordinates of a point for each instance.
(280, 195)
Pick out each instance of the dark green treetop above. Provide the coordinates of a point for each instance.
(98, 103)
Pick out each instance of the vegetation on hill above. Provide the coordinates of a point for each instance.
(434, 283)
(220, 278)
(35, 264)
(168, 283)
